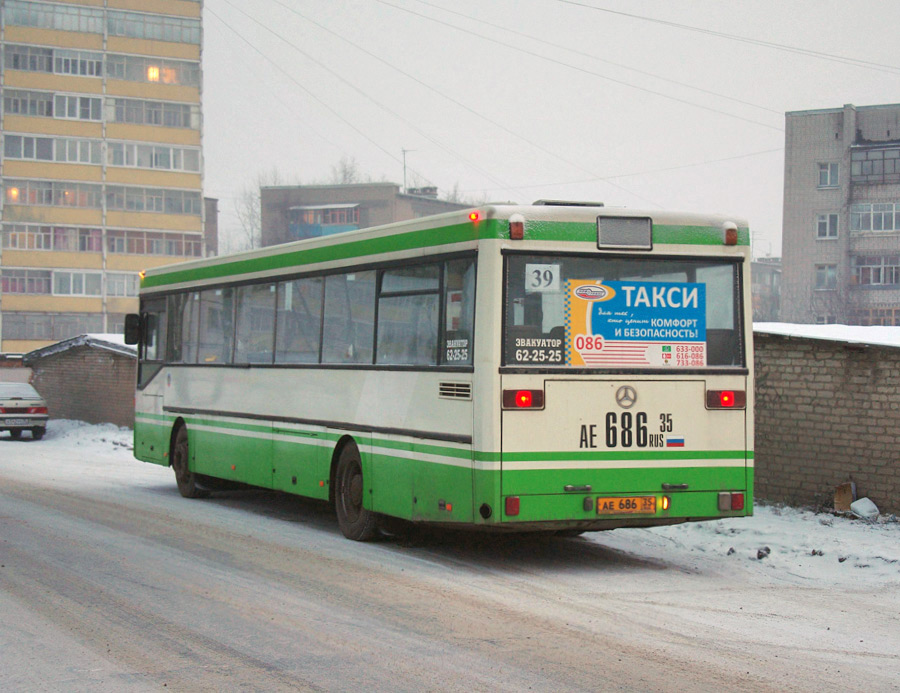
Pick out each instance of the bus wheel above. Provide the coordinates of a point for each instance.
(355, 521)
(184, 477)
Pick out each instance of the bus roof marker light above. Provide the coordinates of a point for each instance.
(474, 216)
(516, 227)
(729, 233)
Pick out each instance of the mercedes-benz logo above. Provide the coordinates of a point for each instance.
(626, 397)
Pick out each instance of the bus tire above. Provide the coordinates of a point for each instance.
(355, 521)
(184, 477)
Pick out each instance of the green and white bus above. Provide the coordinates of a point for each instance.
(556, 367)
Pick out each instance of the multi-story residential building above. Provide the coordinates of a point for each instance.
(766, 289)
(101, 163)
(293, 212)
(841, 234)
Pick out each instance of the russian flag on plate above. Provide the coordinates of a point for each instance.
(674, 441)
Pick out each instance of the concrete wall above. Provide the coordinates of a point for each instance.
(88, 384)
(826, 412)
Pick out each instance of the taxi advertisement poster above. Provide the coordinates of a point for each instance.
(634, 323)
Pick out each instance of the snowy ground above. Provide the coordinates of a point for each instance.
(109, 580)
(778, 544)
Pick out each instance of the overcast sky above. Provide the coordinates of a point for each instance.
(639, 103)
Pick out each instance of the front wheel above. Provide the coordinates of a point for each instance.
(184, 477)
(355, 521)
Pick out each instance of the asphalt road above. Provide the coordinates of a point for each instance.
(110, 581)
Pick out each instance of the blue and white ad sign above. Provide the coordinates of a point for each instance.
(634, 323)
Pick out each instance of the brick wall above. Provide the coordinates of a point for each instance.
(826, 412)
(88, 384)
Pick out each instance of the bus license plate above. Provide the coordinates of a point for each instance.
(640, 505)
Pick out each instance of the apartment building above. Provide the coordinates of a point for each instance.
(841, 234)
(101, 163)
(294, 212)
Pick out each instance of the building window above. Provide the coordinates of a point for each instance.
(826, 320)
(876, 270)
(121, 284)
(73, 107)
(131, 199)
(827, 226)
(875, 217)
(154, 27)
(72, 150)
(25, 281)
(53, 16)
(826, 277)
(137, 68)
(27, 103)
(874, 166)
(59, 238)
(67, 283)
(52, 193)
(828, 175)
(83, 63)
(168, 158)
(160, 113)
(29, 58)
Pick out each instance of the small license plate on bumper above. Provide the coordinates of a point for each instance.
(627, 505)
(16, 422)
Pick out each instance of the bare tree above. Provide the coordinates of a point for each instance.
(346, 171)
(248, 209)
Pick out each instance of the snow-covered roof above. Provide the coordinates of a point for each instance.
(109, 342)
(875, 335)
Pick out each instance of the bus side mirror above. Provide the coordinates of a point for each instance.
(132, 328)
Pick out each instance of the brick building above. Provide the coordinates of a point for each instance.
(827, 412)
(89, 378)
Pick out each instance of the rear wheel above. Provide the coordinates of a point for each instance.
(184, 477)
(37, 433)
(355, 521)
(15, 434)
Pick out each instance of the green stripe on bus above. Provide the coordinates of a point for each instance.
(427, 238)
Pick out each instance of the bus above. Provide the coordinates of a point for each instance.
(559, 367)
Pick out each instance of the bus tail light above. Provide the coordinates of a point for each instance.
(731, 501)
(726, 399)
(664, 503)
(512, 505)
(523, 399)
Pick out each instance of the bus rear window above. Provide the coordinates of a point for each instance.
(602, 312)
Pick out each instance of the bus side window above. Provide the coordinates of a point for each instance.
(459, 312)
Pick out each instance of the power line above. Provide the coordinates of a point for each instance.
(449, 98)
(412, 125)
(538, 39)
(881, 67)
(581, 69)
(648, 172)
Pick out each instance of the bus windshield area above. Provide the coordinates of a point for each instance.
(622, 312)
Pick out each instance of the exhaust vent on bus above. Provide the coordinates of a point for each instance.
(455, 390)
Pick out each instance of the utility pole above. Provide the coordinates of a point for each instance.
(404, 166)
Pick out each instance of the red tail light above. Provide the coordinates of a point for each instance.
(37, 410)
(726, 399)
(523, 399)
(737, 501)
(512, 505)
